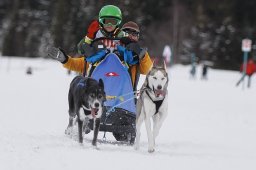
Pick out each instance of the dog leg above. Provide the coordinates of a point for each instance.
(86, 128)
(139, 122)
(80, 131)
(159, 118)
(160, 123)
(156, 127)
(150, 134)
(72, 114)
(95, 131)
(68, 131)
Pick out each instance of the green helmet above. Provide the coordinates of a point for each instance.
(110, 11)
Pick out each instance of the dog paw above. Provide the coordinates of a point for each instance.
(136, 147)
(87, 130)
(95, 147)
(151, 150)
(68, 131)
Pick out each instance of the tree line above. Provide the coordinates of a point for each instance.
(210, 30)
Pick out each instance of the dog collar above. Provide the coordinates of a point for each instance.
(86, 108)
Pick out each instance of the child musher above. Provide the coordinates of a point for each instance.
(107, 25)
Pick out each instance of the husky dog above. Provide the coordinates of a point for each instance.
(86, 97)
(152, 103)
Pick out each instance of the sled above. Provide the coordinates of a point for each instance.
(119, 113)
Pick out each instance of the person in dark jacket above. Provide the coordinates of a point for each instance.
(204, 72)
(132, 30)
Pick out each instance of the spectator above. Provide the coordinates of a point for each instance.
(250, 68)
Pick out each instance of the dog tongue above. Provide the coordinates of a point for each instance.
(159, 92)
(94, 112)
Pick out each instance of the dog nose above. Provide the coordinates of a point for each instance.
(96, 104)
(159, 87)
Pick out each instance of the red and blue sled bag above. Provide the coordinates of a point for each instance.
(117, 83)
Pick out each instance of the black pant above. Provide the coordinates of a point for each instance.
(242, 78)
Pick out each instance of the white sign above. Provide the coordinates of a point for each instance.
(246, 45)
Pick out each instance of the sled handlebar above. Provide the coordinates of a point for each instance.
(103, 38)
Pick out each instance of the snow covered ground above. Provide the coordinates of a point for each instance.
(211, 124)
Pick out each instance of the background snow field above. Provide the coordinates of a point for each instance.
(211, 125)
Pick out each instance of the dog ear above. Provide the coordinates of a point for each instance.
(101, 83)
(166, 84)
(145, 84)
(164, 65)
(160, 64)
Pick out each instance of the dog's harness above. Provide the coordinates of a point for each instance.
(81, 83)
(87, 111)
(157, 103)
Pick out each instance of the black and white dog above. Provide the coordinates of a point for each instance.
(152, 103)
(86, 97)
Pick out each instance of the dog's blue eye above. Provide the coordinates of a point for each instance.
(154, 78)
